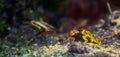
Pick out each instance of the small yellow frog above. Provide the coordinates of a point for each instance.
(86, 35)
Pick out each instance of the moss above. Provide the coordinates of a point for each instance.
(3, 50)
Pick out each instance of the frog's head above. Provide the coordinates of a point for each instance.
(74, 32)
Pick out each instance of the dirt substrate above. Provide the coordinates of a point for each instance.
(55, 45)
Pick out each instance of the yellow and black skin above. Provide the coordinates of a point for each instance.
(86, 36)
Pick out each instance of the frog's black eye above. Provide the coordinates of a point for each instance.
(86, 33)
(116, 17)
(113, 23)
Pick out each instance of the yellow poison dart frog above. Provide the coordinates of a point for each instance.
(86, 35)
(42, 26)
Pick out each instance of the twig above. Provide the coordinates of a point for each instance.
(110, 10)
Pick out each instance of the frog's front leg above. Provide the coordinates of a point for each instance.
(92, 38)
(98, 42)
(85, 39)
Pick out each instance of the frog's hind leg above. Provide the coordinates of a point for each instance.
(92, 39)
(97, 41)
(85, 39)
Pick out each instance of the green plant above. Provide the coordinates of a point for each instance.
(3, 50)
(26, 50)
(16, 51)
(20, 51)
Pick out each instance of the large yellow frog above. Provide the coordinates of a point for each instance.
(86, 35)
